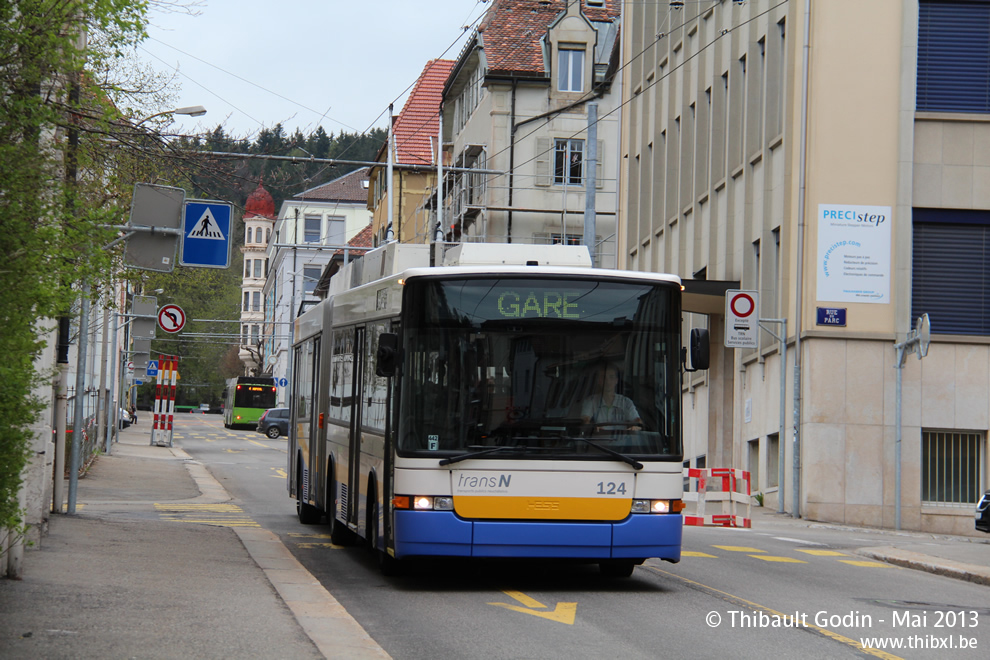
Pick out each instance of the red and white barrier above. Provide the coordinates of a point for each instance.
(726, 485)
(161, 430)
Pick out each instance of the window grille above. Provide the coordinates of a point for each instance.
(951, 473)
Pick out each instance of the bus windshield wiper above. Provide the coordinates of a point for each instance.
(611, 452)
(472, 454)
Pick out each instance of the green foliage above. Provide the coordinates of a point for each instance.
(234, 180)
(209, 297)
(51, 207)
(70, 154)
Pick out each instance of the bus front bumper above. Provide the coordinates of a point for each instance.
(445, 534)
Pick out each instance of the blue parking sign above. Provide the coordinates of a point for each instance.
(206, 229)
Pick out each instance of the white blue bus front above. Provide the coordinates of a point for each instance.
(539, 415)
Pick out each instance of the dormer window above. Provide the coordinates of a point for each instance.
(570, 68)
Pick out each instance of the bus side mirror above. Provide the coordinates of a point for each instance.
(386, 357)
(699, 350)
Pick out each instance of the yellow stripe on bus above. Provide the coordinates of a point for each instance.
(542, 508)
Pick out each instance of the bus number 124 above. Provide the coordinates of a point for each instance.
(611, 488)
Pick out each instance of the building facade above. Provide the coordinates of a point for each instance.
(311, 227)
(851, 195)
(517, 106)
(397, 202)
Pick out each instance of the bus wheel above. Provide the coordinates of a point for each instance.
(387, 564)
(308, 514)
(616, 568)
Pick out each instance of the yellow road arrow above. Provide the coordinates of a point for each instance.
(563, 613)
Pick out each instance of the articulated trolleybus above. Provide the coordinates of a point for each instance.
(482, 409)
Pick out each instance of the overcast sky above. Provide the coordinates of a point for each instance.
(304, 63)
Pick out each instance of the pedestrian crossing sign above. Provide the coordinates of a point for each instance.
(206, 227)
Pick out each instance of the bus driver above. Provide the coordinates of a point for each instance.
(606, 407)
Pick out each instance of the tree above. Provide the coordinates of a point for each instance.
(69, 155)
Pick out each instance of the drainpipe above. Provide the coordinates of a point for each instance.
(799, 298)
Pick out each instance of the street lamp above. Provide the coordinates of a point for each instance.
(192, 111)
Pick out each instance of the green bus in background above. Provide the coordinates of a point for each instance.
(246, 398)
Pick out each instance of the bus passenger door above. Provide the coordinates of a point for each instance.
(304, 387)
(355, 498)
(318, 453)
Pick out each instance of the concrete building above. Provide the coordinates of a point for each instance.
(517, 102)
(851, 211)
(311, 227)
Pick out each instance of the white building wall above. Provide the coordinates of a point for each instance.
(284, 289)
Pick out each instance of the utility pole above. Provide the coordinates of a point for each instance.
(916, 342)
(591, 181)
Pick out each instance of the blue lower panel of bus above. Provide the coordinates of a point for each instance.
(442, 533)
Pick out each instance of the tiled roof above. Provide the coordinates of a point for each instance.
(416, 126)
(348, 188)
(512, 32)
(362, 239)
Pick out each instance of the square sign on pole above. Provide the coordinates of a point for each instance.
(742, 319)
(155, 207)
(206, 227)
(145, 310)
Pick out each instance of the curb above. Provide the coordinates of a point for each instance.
(929, 564)
(334, 632)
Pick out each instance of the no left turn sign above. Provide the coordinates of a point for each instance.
(171, 318)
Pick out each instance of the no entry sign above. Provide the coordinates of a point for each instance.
(742, 319)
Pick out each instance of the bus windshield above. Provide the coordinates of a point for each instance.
(533, 365)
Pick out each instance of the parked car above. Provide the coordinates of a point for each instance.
(274, 422)
(983, 513)
(125, 419)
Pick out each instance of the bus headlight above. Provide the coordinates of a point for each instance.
(425, 502)
(657, 506)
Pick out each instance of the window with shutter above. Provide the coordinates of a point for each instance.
(951, 270)
(543, 153)
(953, 56)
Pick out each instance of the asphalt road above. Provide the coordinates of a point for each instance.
(736, 593)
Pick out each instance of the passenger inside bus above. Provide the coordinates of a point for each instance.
(606, 409)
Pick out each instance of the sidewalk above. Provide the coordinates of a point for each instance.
(960, 557)
(115, 581)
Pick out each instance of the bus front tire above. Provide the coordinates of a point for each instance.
(387, 564)
(308, 514)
